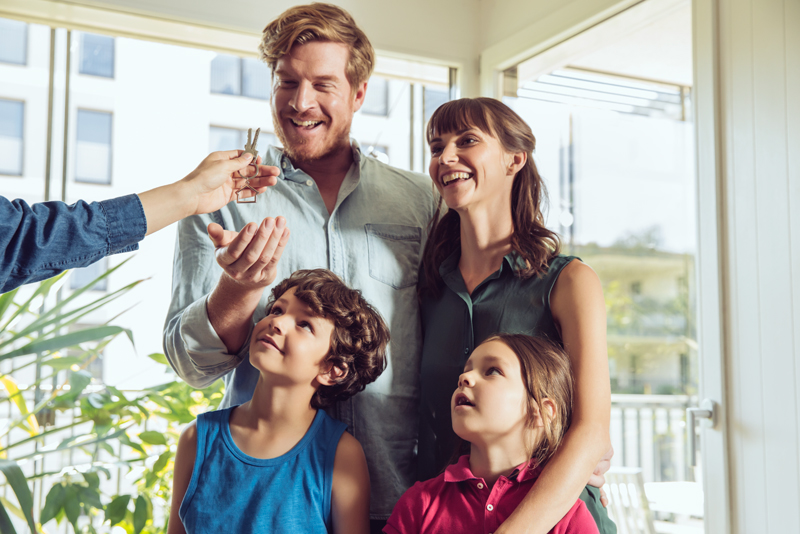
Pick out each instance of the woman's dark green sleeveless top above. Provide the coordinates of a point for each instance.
(456, 322)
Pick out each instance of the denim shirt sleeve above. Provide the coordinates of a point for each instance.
(191, 344)
(41, 240)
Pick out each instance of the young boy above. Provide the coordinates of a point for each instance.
(278, 463)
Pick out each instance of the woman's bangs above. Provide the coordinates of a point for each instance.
(458, 115)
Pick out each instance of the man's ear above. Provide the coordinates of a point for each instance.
(331, 374)
(358, 96)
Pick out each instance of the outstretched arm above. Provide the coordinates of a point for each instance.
(184, 466)
(579, 311)
(207, 188)
(350, 488)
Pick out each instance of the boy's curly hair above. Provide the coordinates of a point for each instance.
(359, 338)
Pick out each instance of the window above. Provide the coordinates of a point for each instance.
(93, 147)
(97, 55)
(231, 75)
(83, 276)
(377, 100)
(221, 138)
(379, 152)
(12, 113)
(13, 42)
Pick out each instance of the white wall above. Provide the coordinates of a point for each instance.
(442, 30)
(759, 69)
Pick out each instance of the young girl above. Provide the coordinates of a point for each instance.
(278, 463)
(490, 265)
(513, 405)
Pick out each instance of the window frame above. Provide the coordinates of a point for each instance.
(22, 140)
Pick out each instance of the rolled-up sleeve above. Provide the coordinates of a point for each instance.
(191, 344)
(41, 240)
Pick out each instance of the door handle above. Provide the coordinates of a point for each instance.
(707, 412)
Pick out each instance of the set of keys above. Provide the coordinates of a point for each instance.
(249, 148)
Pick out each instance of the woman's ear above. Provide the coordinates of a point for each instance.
(516, 162)
(549, 409)
(331, 374)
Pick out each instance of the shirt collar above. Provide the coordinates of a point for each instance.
(512, 261)
(290, 172)
(460, 471)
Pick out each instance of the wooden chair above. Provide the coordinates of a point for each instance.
(627, 502)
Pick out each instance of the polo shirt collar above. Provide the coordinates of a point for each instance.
(460, 471)
(293, 174)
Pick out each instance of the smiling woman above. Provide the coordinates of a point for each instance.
(490, 260)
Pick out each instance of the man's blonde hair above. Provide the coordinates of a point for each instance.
(319, 22)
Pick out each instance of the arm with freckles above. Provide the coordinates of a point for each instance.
(579, 310)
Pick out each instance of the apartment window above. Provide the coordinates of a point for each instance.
(231, 75)
(93, 147)
(379, 152)
(221, 138)
(432, 99)
(13, 42)
(97, 55)
(83, 276)
(12, 114)
(377, 100)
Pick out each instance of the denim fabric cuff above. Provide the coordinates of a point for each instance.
(126, 222)
(201, 342)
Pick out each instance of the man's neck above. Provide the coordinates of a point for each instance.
(329, 173)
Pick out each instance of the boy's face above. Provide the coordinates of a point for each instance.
(291, 342)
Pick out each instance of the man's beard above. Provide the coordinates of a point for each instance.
(299, 151)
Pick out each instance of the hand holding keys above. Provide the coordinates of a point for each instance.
(249, 148)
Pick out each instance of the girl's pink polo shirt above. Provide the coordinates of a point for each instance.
(458, 501)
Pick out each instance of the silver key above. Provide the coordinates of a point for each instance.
(249, 148)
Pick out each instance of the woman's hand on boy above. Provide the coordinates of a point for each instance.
(250, 257)
(598, 478)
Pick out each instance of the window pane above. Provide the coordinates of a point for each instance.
(97, 55)
(93, 147)
(377, 100)
(255, 78)
(11, 117)
(224, 139)
(225, 75)
(433, 98)
(83, 276)
(13, 41)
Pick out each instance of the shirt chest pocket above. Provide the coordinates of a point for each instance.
(394, 251)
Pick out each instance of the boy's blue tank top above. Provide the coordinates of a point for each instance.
(233, 492)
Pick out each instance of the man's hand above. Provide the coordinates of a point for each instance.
(215, 181)
(250, 257)
(598, 478)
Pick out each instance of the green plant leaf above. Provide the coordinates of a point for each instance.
(5, 522)
(161, 463)
(92, 478)
(18, 483)
(158, 357)
(10, 507)
(78, 380)
(67, 340)
(60, 363)
(53, 503)
(153, 438)
(140, 514)
(5, 301)
(72, 507)
(90, 497)
(13, 392)
(115, 511)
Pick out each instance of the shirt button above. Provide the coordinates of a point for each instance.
(466, 351)
(480, 485)
(309, 182)
(283, 164)
(489, 507)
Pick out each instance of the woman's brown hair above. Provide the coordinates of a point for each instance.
(546, 374)
(531, 240)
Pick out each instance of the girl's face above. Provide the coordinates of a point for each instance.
(490, 403)
(471, 167)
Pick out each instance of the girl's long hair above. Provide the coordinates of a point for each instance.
(531, 240)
